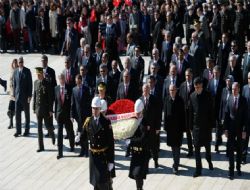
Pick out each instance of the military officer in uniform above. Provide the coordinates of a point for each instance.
(99, 132)
(42, 107)
(139, 147)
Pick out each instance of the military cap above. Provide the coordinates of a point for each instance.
(39, 70)
(101, 86)
(196, 22)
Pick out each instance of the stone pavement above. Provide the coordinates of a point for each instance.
(21, 167)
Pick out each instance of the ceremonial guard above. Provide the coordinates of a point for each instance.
(43, 107)
(99, 132)
(139, 148)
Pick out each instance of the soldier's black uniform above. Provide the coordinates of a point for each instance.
(100, 136)
(139, 144)
(42, 105)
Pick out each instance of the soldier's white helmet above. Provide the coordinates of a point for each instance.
(139, 106)
(96, 102)
(104, 106)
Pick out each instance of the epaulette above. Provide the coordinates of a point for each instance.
(87, 120)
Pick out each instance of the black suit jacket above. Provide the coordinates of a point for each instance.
(162, 69)
(181, 75)
(115, 77)
(72, 76)
(216, 95)
(132, 92)
(22, 85)
(236, 122)
(226, 93)
(166, 84)
(62, 110)
(80, 106)
(246, 68)
(138, 65)
(222, 57)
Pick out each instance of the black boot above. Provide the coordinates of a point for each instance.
(11, 121)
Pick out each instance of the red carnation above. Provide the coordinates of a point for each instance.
(121, 106)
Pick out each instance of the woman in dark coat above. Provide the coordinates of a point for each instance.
(174, 124)
(139, 149)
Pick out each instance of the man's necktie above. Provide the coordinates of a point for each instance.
(62, 95)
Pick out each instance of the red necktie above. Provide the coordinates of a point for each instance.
(62, 95)
(68, 76)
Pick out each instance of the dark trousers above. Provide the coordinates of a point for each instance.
(102, 186)
(198, 156)
(84, 144)
(40, 129)
(234, 141)
(70, 132)
(189, 140)
(153, 145)
(219, 131)
(16, 39)
(139, 183)
(25, 106)
(245, 147)
(176, 156)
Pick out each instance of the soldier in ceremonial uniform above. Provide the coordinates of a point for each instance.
(98, 130)
(139, 148)
(43, 107)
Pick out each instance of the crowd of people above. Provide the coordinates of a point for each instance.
(193, 87)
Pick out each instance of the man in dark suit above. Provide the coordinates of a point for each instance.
(70, 43)
(22, 94)
(135, 78)
(62, 114)
(186, 89)
(170, 79)
(235, 127)
(246, 95)
(234, 70)
(158, 79)
(137, 63)
(181, 65)
(127, 89)
(215, 26)
(114, 75)
(215, 87)
(88, 60)
(110, 38)
(97, 56)
(69, 73)
(201, 121)
(173, 124)
(87, 80)
(223, 54)
(104, 77)
(152, 116)
(246, 64)
(198, 54)
(167, 49)
(79, 53)
(50, 76)
(43, 107)
(80, 109)
(208, 71)
(161, 65)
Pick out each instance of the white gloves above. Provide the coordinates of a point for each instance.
(127, 142)
(77, 138)
(110, 166)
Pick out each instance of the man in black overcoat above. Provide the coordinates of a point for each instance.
(201, 121)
